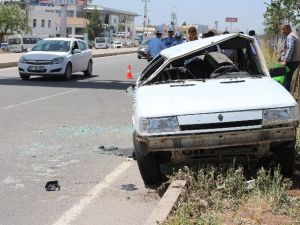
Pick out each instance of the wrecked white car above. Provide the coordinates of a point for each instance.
(211, 98)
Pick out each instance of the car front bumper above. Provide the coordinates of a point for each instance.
(219, 140)
(44, 70)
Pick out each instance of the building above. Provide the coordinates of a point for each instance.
(44, 17)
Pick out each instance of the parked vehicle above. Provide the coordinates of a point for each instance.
(195, 102)
(21, 42)
(4, 46)
(102, 42)
(117, 44)
(56, 57)
(119, 34)
(143, 49)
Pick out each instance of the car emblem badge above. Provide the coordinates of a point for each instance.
(220, 117)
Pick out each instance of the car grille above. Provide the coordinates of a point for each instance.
(221, 125)
(38, 62)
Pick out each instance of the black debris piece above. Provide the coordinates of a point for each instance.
(52, 186)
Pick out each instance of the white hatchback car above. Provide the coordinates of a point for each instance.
(210, 99)
(56, 57)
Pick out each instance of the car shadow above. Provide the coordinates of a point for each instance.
(88, 82)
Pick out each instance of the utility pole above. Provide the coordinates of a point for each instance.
(145, 25)
(216, 24)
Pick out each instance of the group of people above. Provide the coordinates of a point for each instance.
(158, 43)
(289, 50)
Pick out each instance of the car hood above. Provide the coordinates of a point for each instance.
(40, 55)
(219, 95)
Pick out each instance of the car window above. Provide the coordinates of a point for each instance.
(82, 45)
(75, 45)
(52, 45)
(152, 67)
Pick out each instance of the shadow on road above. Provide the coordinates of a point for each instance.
(87, 82)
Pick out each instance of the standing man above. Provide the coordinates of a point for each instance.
(178, 38)
(155, 45)
(252, 34)
(289, 53)
(192, 34)
(170, 40)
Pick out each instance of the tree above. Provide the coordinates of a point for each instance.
(184, 24)
(12, 19)
(94, 27)
(281, 11)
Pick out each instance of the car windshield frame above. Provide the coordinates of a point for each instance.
(52, 46)
(177, 68)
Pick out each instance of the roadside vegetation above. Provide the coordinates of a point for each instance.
(231, 195)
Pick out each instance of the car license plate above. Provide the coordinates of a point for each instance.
(36, 68)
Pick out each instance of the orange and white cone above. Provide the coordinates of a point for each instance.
(128, 73)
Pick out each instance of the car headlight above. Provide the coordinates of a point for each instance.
(22, 60)
(280, 115)
(158, 125)
(58, 60)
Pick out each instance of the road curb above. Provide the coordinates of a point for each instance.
(13, 64)
(166, 204)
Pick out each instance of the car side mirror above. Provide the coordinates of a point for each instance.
(76, 51)
(28, 49)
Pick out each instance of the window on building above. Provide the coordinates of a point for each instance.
(71, 13)
(58, 12)
(43, 23)
(49, 23)
(115, 21)
(69, 30)
(34, 23)
(79, 31)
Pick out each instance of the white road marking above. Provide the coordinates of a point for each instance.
(77, 209)
(37, 99)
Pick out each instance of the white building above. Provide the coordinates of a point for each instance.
(43, 15)
(42, 22)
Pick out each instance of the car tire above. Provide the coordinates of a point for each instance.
(25, 77)
(89, 71)
(286, 159)
(139, 57)
(147, 163)
(68, 72)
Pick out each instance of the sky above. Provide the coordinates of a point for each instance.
(206, 12)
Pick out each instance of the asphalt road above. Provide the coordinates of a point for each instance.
(53, 129)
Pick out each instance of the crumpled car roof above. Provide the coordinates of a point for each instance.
(193, 46)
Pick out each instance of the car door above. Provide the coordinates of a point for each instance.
(84, 55)
(76, 57)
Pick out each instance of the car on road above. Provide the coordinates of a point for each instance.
(208, 99)
(143, 49)
(4, 46)
(117, 44)
(56, 57)
(102, 42)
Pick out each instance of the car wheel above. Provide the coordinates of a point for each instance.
(25, 77)
(286, 159)
(88, 72)
(139, 57)
(147, 163)
(68, 72)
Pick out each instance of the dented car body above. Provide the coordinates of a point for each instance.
(211, 98)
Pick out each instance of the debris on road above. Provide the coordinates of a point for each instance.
(52, 186)
(113, 150)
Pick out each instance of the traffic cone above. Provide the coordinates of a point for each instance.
(128, 73)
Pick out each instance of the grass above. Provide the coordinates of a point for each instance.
(269, 54)
(222, 195)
